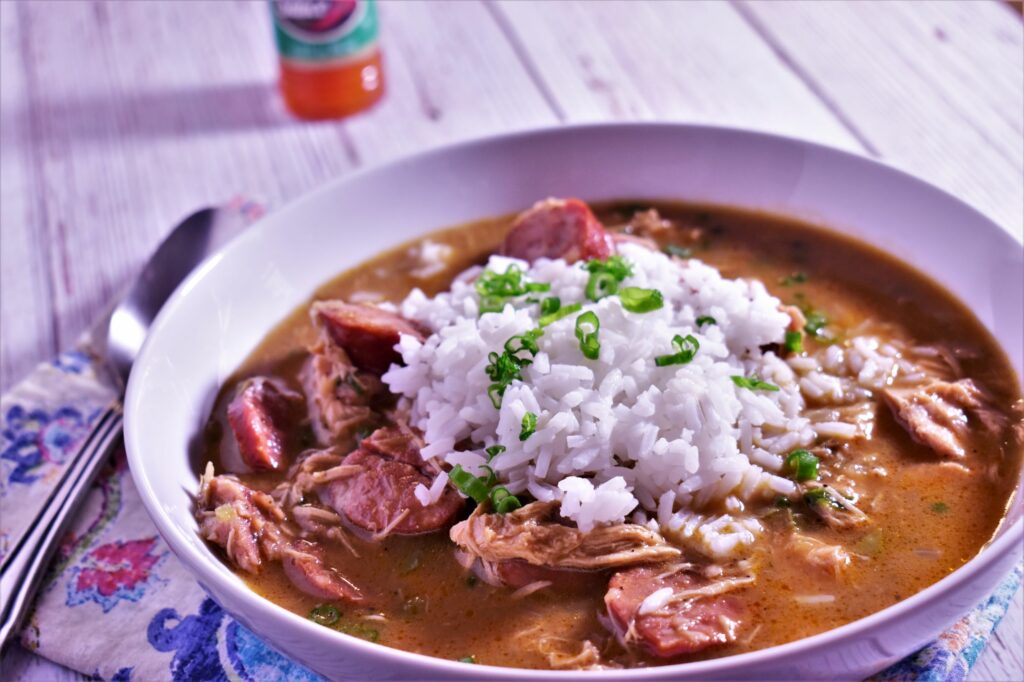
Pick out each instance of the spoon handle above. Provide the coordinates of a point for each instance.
(25, 566)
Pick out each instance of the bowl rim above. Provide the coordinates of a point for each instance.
(206, 569)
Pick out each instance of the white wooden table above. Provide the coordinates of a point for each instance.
(118, 118)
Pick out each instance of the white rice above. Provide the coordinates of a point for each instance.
(619, 437)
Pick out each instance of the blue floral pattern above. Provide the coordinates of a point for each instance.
(34, 441)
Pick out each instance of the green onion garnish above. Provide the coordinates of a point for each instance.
(940, 507)
(550, 305)
(637, 300)
(820, 496)
(471, 486)
(794, 342)
(494, 451)
(496, 289)
(504, 501)
(795, 278)
(467, 659)
(605, 276)
(686, 347)
(529, 426)
(559, 314)
(587, 326)
(705, 319)
(816, 321)
(526, 341)
(360, 630)
(325, 614)
(754, 383)
(678, 251)
(803, 464)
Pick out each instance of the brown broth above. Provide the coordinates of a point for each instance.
(431, 606)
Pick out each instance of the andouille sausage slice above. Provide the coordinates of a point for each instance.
(260, 415)
(558, 228)
(367, 333)
(305, 568)
(381, 498)
(678, 627)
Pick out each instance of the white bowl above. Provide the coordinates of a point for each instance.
(221, 312)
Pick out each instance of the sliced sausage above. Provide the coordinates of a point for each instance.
(306, 570)
(516, 573)
(557, 228)
(367, 333)
(260, 415)
(399, 443)
(678, 627)
(381, 498)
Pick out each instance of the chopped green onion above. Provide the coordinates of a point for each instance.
(529, 425)
(795, 278)
(587, 326)
(504, 501)
(940, 507)
(637, 300)
(360, 630)
(614, 265)
(794, 342)
(526, 341)
(494, 451)
(678, 251)
(705, 319)
(467, 659)
(491, 304)
(325, 614)
(601, 284)
(686, 347)
(754, 383)
(559, 314)
(782, 502)
(472, 580)
(803, 464)
(534, 287)
(550, 305)
(821, 496)
(471, 486)
(871, 544)
(816, 322)
(496, 289)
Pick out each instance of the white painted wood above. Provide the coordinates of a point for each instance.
(118, 118)
(935, 87)
(698, 62)
(19, 665)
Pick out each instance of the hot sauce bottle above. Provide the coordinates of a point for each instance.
(330, 56)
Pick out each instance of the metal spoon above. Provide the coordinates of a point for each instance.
(118, 338)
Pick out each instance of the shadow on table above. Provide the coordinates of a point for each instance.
(218, 108)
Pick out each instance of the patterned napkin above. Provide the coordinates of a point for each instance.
(118, 605)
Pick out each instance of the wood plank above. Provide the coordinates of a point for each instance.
(451, 75)
(695, 61)
(936, 87)
(1003, 657)
(26, 333)
(20, 665)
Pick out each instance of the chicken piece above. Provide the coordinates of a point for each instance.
(533, 533)
(686, 612)
(260, 415)
(398, 441)
(342, 399)
(245, 522)
(366, 333)
(381, 498)
(936, 414)
(557, 228)
(649, 224)
(304, 566)
(313, 469)
(831, 559)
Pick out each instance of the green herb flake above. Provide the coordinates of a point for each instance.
(705, 319)
(468, 659)
(605, 276)
(360, 630)
(555, 316)
(494, 451)
(870, 545)
(587, 326)
(471, 486)
(795, 278)
(324, 614)
(472, 580)
(550, 305)
(503, 501)
(940, 507)
(821, 496)
(794, 342)
(803, 465)
(678, 251)
(686, 348)
(638, 300)
(783, 502)
(816, 322)
(498, 289)
(753, 383)
(529, 425)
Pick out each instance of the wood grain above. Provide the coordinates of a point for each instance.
(118, 118)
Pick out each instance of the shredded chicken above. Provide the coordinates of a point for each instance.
(532, 533)
(832, 559)
(936, 414)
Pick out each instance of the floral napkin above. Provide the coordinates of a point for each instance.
(118, 605)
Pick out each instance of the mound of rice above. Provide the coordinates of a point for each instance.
(681, 447)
